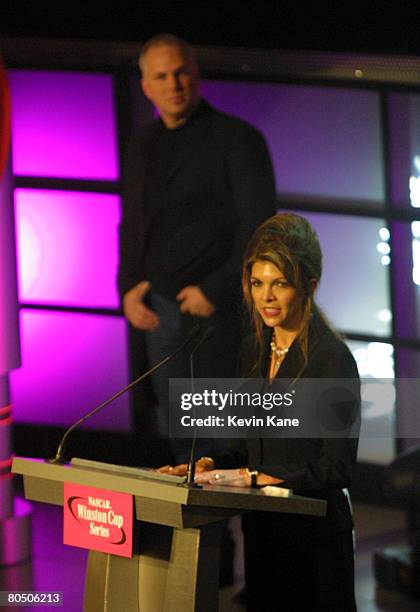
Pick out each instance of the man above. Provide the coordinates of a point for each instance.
(198, 183)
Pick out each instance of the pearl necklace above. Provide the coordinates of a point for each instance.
(278, 352)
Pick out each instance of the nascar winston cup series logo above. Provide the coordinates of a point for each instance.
(98, 519)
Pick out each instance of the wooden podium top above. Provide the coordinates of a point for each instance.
(158, 501)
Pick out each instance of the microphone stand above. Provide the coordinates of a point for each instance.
(59, 457)
(191, 464)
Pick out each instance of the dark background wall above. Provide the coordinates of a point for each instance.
(379, 27)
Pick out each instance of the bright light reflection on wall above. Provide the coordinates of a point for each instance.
(375, 359)
(375, 362)
(415, 183)
(384, 249)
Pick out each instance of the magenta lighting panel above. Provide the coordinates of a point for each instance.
(67, 247)
(63, 125)
(71, 362)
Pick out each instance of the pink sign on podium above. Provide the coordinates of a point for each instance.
(98, 519)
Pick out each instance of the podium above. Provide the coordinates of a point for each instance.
(175, 562)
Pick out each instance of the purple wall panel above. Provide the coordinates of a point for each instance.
(71, 363)
(354, 284)
(324, 141)
(63, 125)
(67, 247)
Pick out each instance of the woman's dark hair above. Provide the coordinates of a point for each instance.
(290, 243)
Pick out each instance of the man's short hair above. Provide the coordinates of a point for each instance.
(164, 40)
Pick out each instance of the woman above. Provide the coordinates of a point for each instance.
(293, 562)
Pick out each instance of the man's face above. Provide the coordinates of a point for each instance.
(171, 81)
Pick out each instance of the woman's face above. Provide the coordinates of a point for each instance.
(274, 298)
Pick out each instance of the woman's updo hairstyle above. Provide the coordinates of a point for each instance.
(290, 243)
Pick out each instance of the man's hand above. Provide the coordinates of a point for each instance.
(195, 302)
(139, 315)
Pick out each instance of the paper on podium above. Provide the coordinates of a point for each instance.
(276, 491)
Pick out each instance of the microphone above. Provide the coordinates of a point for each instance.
(194, 332)
(208, 332)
